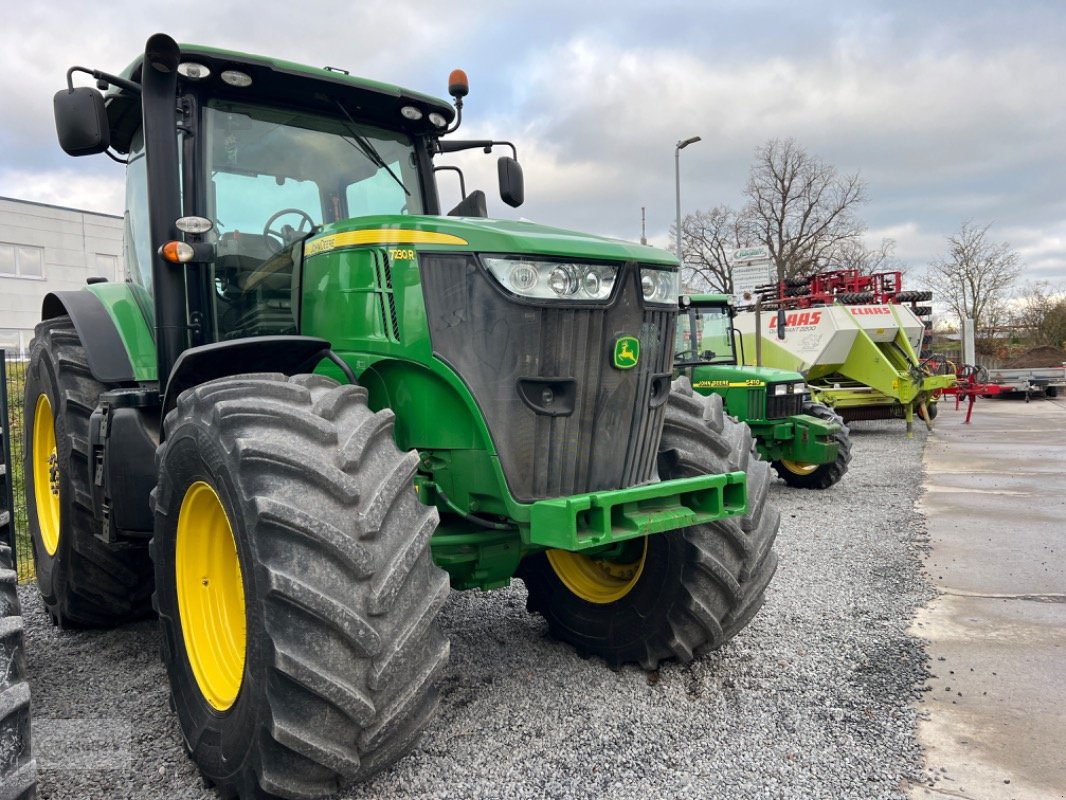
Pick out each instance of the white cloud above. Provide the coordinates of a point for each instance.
(949, 112)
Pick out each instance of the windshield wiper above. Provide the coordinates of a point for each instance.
(364, 146)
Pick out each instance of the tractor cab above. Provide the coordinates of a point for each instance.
(266, 153)
(705, 331)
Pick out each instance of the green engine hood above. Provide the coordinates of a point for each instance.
(480, 235)
(733, 375)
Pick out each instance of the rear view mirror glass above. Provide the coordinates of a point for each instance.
(81, 121)
(512, 184)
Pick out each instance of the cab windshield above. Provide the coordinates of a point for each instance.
(704, 335)
(272, 176)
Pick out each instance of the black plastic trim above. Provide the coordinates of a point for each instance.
(108, 360)
(289, 355)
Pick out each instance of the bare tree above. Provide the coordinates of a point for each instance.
(853, 254)
(1043, 314)
(800, 207)
(975, 276)
(708, 238)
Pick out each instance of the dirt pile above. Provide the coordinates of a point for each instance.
(1038, 358)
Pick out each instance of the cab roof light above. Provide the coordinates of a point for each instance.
(193, 224)
(193, 71)
(237, 78)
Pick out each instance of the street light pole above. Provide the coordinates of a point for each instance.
(681, 145)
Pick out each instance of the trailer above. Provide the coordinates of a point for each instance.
(1047, 381)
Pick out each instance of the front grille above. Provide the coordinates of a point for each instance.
(756, 403)
(784, 406)
(497, 343)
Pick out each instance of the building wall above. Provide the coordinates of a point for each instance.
(44, 249)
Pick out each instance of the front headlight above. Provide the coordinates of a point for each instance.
(780, 389)
(799, 388)
(553, 280)
(659, 286)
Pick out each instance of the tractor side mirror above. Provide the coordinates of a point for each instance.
(512, 184)
(81, 121)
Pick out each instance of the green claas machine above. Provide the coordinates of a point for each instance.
(319, 401)
(855, 337)
(807, 443)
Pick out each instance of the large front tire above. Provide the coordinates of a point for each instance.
(83, 581)
(294, 585)
(677, 594)
(18, 769)
(819, 476)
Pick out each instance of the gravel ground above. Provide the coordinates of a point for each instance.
(815, 699)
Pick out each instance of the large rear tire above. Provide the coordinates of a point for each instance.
(18, 769)
(83, 581)
(677, 594)
(819, 476)
(303, 651)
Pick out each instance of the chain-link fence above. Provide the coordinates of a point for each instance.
(14, 526)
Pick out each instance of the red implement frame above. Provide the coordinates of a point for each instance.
(969, 383)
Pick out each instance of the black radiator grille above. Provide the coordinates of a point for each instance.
(787, 405)
(493, 341)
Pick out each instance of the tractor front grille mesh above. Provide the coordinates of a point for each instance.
(495, 342)
(785, 406)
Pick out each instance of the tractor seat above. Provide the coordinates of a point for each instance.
(252, 263)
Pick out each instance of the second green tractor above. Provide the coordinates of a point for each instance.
(807, 443)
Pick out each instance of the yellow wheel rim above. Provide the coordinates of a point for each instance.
(210, 596)
(46, 474)
(798, 467)
(597, 580)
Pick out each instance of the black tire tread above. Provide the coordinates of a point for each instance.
(355, 575)
(827, 474)
(105, 584)
(724, 566)
(747, 556)
(18, 768)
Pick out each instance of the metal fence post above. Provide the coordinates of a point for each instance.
(7, 475)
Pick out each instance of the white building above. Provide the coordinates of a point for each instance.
(44, 249)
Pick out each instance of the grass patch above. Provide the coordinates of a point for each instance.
(16, 386)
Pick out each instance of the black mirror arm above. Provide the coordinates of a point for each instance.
(470, 144)
(114, 80)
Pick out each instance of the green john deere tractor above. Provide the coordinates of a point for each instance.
(318, 402)
(807, 443)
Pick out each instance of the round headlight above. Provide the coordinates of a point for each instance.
(592, 283)
(411, 113)
(563, 280)
(437, 119)
(523, 278)
(647, 284)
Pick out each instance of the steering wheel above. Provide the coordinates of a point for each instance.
(286, 234)
(684, 355)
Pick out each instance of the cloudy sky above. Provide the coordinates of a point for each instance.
(951, 111)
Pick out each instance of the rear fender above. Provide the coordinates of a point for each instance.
(117, 339)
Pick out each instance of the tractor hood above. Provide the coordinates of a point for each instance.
(467, 234)
(709, 376)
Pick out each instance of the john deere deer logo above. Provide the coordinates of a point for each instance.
(626, 352)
